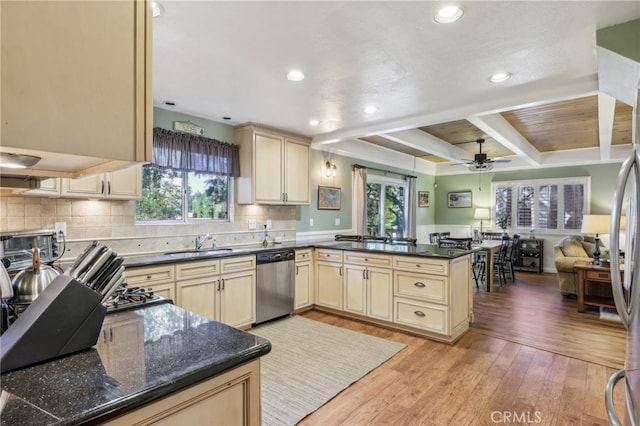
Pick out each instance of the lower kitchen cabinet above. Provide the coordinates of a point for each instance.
(232, 398)
(303, 280)
(223, 290)
(368, 291)
(159, 279)
(328, 278)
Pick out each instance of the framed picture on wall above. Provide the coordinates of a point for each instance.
(423, 198)
(328, 198)
(459, 199)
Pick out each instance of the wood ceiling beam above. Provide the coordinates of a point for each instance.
(606, 116)
(423, 141)
(504, 133)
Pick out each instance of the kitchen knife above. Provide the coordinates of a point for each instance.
(117, 279)
(81, 256)
(92, 281)
(102, 281)
(104, 257)
(91, 257)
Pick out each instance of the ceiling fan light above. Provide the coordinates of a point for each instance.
(484, 167)
(448, 14)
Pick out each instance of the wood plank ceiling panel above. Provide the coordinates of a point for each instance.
(464, 135)
(558, 126)
(622, 124)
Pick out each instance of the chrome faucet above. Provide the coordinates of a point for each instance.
(265, 242)
(201, 240)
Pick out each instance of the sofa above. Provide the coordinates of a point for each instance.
(568, 251)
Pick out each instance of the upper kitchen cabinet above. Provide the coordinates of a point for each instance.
(76, 85)
(274, 167)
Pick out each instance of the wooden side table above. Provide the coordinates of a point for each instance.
(593, 273)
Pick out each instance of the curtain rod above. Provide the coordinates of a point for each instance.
(358, 166)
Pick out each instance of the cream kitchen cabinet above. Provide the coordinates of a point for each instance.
(72, 85)
(303, 279)
(231, 398)
(160, 279)
(433, 295)
(368, 290)
(274, 167)
(220, 289)
(125, 184)
(329, 279)
(48, 188)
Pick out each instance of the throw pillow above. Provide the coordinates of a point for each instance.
(573, 248)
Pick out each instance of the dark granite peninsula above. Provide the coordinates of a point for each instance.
(142, 355)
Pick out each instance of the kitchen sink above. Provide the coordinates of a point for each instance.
(201, 252)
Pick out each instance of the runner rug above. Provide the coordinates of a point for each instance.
(310, 362)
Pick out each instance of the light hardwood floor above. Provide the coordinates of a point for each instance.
(482, 379)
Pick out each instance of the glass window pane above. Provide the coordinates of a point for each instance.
(207, 196)
(524, 208)
(161, 195)
(373, 207)
(503, 205)
(573, 206)
(394, 220)
(548, 207)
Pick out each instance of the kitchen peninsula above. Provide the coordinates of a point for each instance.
(158, 362)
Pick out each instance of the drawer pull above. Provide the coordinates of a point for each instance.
(419, 313)
(417, 265)
(603, 275)
(148, 277)
(419, 284)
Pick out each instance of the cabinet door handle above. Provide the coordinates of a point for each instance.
(297, 269)
(222, 283)
(111, 334)
(102, 187)
(218, 287)
(109, 188)
(364, 274)
(341, 271)
(419, 313)
(419, 284)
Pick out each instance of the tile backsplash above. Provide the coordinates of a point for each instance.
(113, 223)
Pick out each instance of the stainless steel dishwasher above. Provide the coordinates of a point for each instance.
(274, 284)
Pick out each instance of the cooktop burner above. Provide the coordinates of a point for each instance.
(125, 297)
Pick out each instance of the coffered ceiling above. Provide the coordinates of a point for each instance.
(429, 81)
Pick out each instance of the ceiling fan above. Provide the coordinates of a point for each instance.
(480, 162)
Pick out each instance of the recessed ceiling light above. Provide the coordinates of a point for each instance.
(314, 123)
(448, 14)
(295, 75)
(499, 77)
(370, 109)
(156, 9)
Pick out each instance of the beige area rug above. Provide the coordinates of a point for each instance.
(311, 362)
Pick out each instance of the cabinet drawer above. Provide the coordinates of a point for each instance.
(149, 275)
(422, 315)
(428, 265)
(236, 264)
(329, 255)
(202, 268)
(432, 288)
(604, 276)
(302, 255)
(367, 259)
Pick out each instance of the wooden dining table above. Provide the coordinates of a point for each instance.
(490, 248)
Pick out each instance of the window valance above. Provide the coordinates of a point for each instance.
(193, 153)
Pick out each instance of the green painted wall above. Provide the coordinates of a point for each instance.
(212, 129)
(623, 39)
(603, 180)
(324, 220)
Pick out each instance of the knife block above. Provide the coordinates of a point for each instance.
(65, 318)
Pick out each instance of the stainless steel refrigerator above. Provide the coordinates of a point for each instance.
(625, 216)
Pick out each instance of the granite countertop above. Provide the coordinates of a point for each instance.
(422, 250)
(141, 355)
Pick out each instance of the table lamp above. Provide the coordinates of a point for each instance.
(482, 214)
(596, 224)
